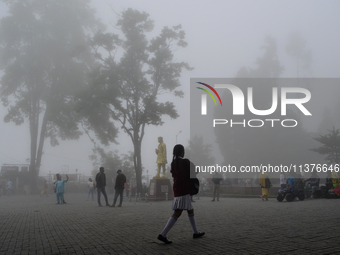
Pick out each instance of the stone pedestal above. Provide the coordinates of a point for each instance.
(158, 189)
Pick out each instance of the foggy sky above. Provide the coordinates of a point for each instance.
(222, 37)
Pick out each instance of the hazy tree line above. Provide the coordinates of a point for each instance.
(65, 75)
(278, 145)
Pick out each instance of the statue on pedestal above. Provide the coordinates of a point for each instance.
(161, 158)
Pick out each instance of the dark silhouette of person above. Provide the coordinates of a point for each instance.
(101, 183)
(119, 188)
(180, 170)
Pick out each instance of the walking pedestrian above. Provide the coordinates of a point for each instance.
(90, 185)
(182, 187)
(265, 185)
(216, 180)
(60, 189)
(119, 188)
(100, 184)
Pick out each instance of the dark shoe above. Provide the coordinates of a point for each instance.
(108, 205)
(200, 234)
(119, 206)
(100, 205)
(112, 205)
(64, 203)
(213, 200)
(164, 239)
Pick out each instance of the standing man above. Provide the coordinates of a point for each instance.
(101, 183)
(216, 180)
(60, 189)
(119, 187)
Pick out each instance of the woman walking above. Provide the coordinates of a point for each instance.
(182, 187)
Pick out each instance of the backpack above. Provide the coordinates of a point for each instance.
(195, 183)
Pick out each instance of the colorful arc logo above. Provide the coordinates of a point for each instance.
(218, 96)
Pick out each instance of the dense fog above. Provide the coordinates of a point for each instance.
(225, 39)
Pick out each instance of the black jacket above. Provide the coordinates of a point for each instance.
(100, 180)
(120, 181)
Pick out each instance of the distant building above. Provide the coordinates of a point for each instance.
(17, 173)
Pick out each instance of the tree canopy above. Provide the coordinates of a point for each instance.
(296, 49)
(45, 56)
(330, 146)
(111, 161)
(267, 144)
(132, 75)
(198, 152)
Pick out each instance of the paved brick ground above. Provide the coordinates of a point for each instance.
(36, 225)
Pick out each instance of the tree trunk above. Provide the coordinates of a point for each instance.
(138, 165)
(34, 125)
(41, 142)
